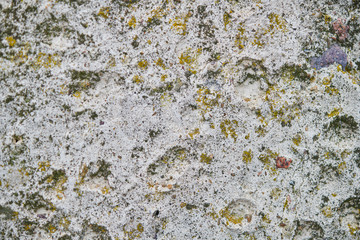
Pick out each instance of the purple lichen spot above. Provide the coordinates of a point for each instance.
(333, 55)
(43, 216)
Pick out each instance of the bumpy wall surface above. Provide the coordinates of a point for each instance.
(179, 119)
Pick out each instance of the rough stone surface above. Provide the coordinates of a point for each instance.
(128, 119)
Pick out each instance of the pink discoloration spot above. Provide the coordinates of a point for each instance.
(341, 29)
(281, 162)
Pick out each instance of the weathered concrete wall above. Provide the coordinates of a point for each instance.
(179, 119)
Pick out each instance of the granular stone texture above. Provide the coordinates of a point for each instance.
(179, 119)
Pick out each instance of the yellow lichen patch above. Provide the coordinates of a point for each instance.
(134, 233)
(156, 196)
(327, 19)
(164, 223)
(104, 12)
(179, 24)
(27, 227)
(258, 42)
(6, 183)
(143, 64)
(353, 228)
(64, 222)
(355, 80)
(287, 76)
(273, 171)
(52, 207)
(327, 212)
(189, 58)
(297, 140)
(46, 60)
(165, 99)
(11, 41)
(140, 227)
(51, 229)
(339, 68)
(261, 117)
(334, 112)
(326, 81)
(85, 83)
(184, 58)
(83, 171)
(266, 219)
(331, 90)
(111, 63)
(207, 99)
(43, 166)
(241, 39)
(63, 89)
(266, 157)
(231, 216)
(105, 190)
(286, 204)
(77, 94)
(21, 56)
(275, 193)
(78, 191)
(163, 77)
(213, 214)
(341, 167)
(228, 128)
(132, 22)
(23, 172)
(59, 186)
(205, 158)
(60, 196)
(280, 109)
(196, 131)
(15, 216)
(344, 154)
(138, 79)
(156, 15)
(327, 155)
(226, 19)
(125, 58)
(353, 74)
(328, 87)
(259, 4)
(276, 23)
(247, 156)
(160, 63)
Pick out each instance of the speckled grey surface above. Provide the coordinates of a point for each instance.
(163, 119)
